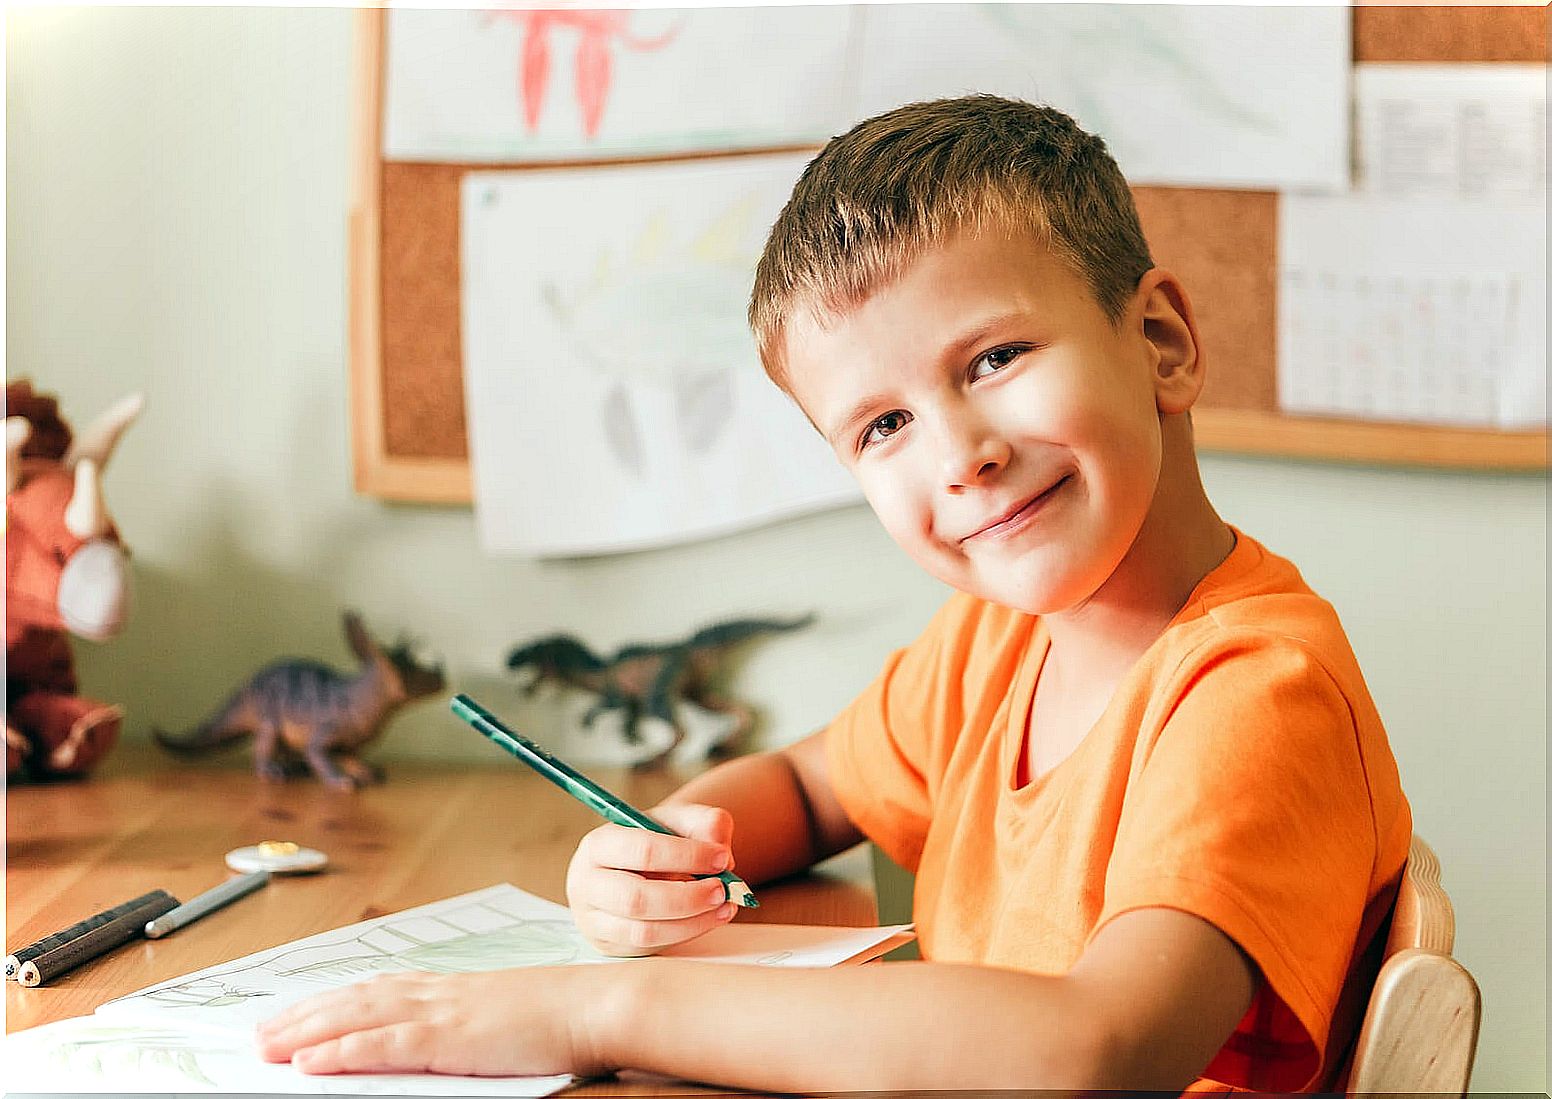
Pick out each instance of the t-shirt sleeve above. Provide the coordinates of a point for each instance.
(1252, 810)
(885, 748)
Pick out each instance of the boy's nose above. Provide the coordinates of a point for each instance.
(971, 456)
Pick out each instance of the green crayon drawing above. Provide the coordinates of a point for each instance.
(1124, 38)
(128, 1052)
(473, 938)
(634, 299)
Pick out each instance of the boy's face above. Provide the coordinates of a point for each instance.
(1005, 432)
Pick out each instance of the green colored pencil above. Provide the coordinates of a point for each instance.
(584, 789)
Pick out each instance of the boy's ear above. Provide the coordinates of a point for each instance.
(1169, 327)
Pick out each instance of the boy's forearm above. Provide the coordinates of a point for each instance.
(772, 828)
(866, 1028)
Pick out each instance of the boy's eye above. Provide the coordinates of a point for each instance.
(995, 359)
(885, 426)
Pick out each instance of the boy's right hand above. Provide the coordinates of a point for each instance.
(632, 892)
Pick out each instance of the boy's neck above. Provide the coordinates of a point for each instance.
(1181, 541)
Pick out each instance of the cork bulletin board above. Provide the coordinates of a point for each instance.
(408, 432)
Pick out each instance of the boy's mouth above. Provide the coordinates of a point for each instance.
(1015, 517)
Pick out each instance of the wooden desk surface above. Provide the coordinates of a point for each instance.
(147, 821)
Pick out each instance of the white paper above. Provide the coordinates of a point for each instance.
(785, 945)
(492, 928)
(522, 85)
(614, 397)
(195, 1033)
(1182, 94)
(96, 1053)
(1412, 310)
(1451, 131)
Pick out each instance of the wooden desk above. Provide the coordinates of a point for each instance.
(147, 821)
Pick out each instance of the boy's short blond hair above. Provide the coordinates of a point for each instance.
(882, 193)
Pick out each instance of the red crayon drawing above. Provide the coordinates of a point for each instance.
(596, 32)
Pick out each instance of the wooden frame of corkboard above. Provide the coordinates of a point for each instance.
(409, 438)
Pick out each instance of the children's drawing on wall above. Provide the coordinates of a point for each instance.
(636, 298)
(515, 85)
(1148, 40)
(1208, 95)
(597, 34)
(1184, 94)
(614, 396)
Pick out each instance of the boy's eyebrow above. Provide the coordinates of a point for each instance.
(856, 413)
(979, 332)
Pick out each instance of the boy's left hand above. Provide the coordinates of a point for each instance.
(513, 1022)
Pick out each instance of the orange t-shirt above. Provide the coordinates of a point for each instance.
(1239, 773)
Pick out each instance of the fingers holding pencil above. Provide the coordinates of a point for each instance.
(704, 848)
(634, 892)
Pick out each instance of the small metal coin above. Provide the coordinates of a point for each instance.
(278, 857)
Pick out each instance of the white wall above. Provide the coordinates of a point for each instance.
(176, 196)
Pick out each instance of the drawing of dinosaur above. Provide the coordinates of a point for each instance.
(302, 713)
(649, 680)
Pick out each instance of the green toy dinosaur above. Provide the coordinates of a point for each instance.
(648, 680)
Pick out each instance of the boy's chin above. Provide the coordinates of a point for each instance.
(1026, 594)
(1034, 583)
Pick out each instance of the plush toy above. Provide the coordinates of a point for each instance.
(65, 573)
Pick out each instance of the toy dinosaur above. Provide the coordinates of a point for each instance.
(648, 680)
(66, 572)
(305, 715)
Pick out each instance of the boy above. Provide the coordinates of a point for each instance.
(1154, 818)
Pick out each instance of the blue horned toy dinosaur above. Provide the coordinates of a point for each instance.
(648, 680)
(304, 715)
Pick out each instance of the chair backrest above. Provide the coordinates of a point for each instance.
(1419, 1033)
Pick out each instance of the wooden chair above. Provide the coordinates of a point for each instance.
(1419, 1033)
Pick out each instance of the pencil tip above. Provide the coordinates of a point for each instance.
(739, 893)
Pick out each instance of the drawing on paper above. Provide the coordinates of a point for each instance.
(1206, 94)
(474, 938)
(564, 83)
(666, 316)
(163, 1040)
(596, 34)
(90, 1054)
(208, 992)
(614, 392)
(1147, 41)
(117, 1053)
